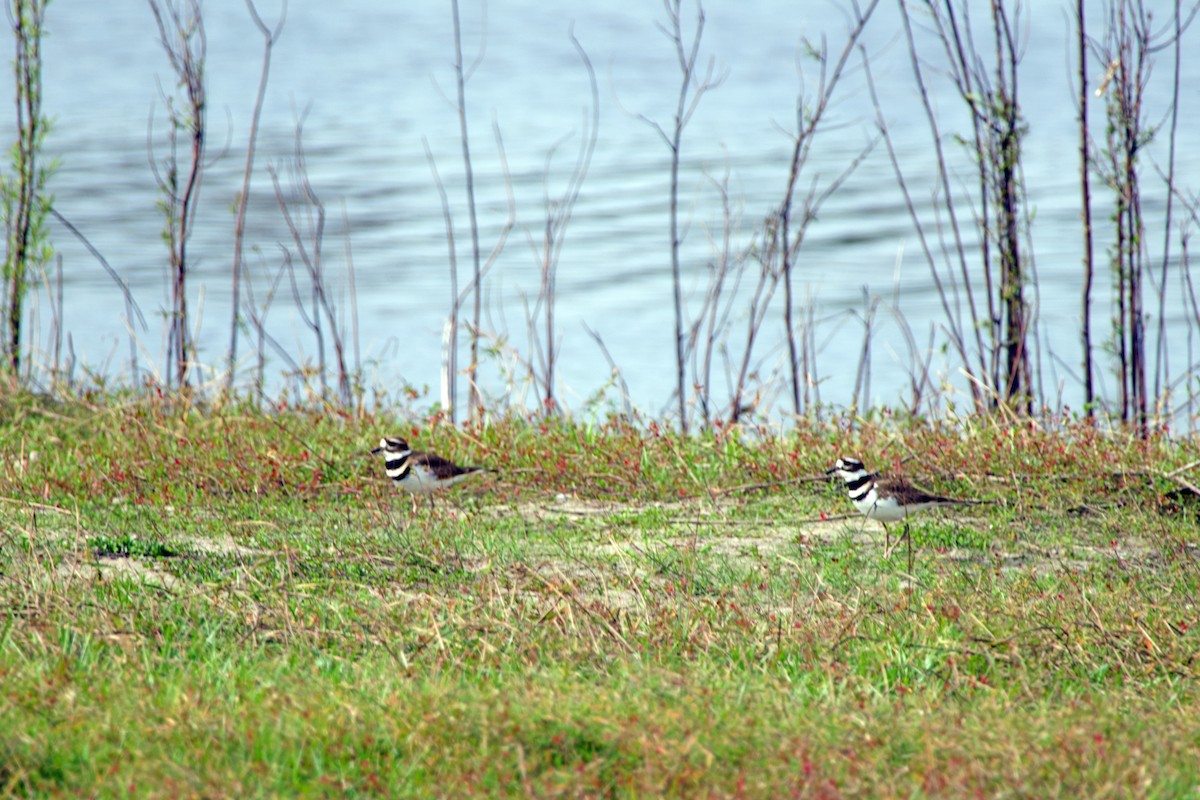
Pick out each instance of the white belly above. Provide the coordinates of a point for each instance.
(420, 480)
(883, 510)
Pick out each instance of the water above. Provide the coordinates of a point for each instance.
(375, 78)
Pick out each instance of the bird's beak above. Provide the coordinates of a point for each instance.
(377, 450)
(831, 470)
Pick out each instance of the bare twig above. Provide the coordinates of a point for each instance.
(270, 37)
(181, 32)
(558, 217)
(25, 203)
(473, 403)
(617, 377)
(692, 89)
(1085, 169)
(308, 244)
(809, 115)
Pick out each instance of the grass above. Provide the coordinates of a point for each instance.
(225, 601)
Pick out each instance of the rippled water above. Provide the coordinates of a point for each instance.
(375, 78)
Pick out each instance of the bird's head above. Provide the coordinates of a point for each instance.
(847, 468)
(391, 445)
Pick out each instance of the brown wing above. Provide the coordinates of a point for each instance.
(442, 468)
(908, 494)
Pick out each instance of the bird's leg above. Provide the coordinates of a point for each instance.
(887, 538)
(908, 538)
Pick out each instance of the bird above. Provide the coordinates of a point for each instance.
(886, 499)
(420, 473)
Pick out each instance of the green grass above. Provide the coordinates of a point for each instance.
(232, 602)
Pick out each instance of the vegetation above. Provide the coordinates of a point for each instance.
(736, 311)
(214, 593)
(181, 32)
(24, 200)
(230, 601)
